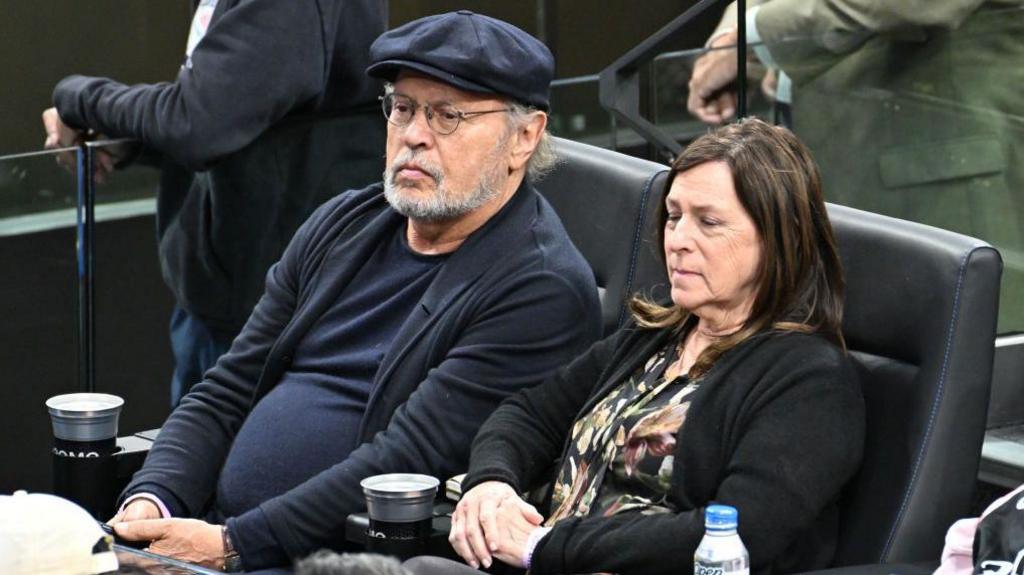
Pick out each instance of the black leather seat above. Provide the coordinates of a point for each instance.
(606, 201)
(920, 316)
(921, 310)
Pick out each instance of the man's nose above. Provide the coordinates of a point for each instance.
(417, 133)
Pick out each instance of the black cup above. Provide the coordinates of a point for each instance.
(84, 449)
(401, 510)
(86, 472)
(402, 540)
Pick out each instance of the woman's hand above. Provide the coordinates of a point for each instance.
(514, 529)
(489, 519)
(188, 540)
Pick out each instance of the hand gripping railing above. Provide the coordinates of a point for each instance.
(619, 84)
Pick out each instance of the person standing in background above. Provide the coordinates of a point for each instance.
(270, 115)
(912, 109)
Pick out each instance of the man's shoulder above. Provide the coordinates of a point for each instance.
(541, 257)
(549, 243)
(781, 354)
(340, 215)
(349, 204)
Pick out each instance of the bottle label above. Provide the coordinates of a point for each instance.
(719, 569)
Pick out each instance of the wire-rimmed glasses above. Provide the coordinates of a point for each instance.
(442, 118)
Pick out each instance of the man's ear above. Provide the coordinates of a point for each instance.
(526, 139)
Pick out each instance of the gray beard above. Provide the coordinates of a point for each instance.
(443, 204)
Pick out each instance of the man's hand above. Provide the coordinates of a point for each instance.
(479, 528)
(770, 85)
(138, 509)
(188, 540)
(711, 99)
(60, 135)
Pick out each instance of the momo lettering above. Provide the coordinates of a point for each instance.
(75, 454)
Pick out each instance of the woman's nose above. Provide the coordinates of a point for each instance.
(679, 237)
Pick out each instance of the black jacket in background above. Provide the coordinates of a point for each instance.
(515, 302)
(273, 115)
(775, 429)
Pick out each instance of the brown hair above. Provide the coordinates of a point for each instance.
(800, 280)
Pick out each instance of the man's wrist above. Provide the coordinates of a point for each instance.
(724, 37)
(165, 513)
(232, 561)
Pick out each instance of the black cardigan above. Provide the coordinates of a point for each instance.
(515, 302)
(776, 429)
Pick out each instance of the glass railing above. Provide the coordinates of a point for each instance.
(37, 193)
(40, 288)
(48, 217)
(31, 185)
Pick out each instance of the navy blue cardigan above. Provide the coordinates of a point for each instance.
(511, 305)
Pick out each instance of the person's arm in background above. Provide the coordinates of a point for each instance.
(258, 61)
(803, 38)
(712, 95)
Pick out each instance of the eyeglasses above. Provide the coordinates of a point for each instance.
(443, 118)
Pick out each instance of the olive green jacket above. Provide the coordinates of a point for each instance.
(913, 108)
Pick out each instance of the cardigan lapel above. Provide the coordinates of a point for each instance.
(343, 258)
(629, 359)
(503, 232)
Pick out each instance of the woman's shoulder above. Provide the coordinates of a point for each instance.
(787, 351)
(780, 340)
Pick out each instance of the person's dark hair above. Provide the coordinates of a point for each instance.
(800, 280)
(325, 562)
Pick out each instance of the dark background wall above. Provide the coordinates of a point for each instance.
(44, 40)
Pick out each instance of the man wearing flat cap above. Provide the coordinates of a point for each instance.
(398, 318)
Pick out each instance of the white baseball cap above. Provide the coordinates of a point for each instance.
(42, 534)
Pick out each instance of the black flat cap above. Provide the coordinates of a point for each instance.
(469, 51)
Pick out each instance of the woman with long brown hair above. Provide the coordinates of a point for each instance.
(737, 391)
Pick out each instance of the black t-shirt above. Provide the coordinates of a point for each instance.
(310, 420)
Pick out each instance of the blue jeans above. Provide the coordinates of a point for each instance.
(195, 350)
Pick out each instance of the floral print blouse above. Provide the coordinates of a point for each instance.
(620, 455)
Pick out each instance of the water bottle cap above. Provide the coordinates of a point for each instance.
(721, 517)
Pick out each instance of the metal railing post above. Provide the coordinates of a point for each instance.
(85, 252)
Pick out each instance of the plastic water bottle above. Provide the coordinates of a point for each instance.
(721, 552)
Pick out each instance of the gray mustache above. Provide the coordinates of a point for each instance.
(408, 156)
